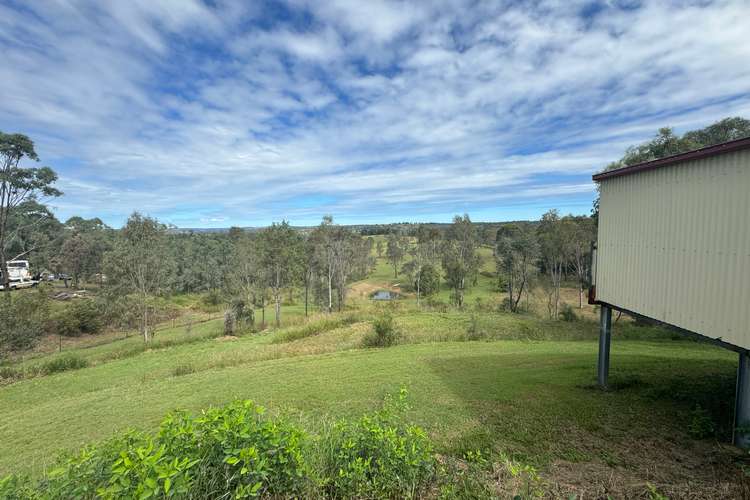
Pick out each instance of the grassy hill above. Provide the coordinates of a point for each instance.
(517, 386)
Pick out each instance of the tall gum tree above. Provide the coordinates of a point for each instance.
(280, 253)
(140, 264)
(18, 185)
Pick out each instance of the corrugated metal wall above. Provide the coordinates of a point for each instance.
(674, 245)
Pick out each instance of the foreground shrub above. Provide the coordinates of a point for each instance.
(239, 452)
(377, 456)
(230, 452)
(384, 332)
(64, 363)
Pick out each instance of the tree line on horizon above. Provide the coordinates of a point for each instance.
(251, 270)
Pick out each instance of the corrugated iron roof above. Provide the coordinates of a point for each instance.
(724, 147)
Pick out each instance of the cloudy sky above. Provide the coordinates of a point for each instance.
(211, 113)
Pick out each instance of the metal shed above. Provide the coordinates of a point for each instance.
(674, 246)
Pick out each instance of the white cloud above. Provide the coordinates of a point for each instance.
(385, 108)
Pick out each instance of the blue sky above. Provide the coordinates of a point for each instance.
(218, 113)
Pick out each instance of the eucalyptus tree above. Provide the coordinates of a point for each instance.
(18, 185)
(352, 259)
(516, 250)
(460, 260)
(553, 233)
(396, 251)
(246, 277)
(338, 256)
(140, 264)
(323, 240)
(76, 255)
(34, 233)
(581, 233)
(416, 266)
(279, 250)
(309, 268)
(82, 250)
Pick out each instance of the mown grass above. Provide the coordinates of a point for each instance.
(518, 395)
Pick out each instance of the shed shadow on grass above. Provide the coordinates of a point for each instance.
(519, 401)
(550, 414)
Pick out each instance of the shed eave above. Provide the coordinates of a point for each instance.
(724, 147)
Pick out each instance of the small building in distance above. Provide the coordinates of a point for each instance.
(673, 245)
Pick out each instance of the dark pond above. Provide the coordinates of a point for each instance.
(383, 295)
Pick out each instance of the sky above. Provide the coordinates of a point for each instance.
(213, 113)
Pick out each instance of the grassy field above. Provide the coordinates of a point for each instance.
(517, 385)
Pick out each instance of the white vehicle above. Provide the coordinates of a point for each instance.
(19, 274)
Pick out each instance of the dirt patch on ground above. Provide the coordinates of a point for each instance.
(226, 338)
(691, 470)
(365, 289)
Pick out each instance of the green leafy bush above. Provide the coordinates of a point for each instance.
(429, 283)
(87, 473)
(384, 332)
(23, 318)
(377, 456)
(16, 488)
(239, 452)
(211, 301)
(78, 317)
(701, 424)
(64, 363)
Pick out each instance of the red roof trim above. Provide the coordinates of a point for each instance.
(725, 147)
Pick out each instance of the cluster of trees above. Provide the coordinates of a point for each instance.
(251, 269)
(452, 249)
(559, 247)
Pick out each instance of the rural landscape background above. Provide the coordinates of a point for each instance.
(430, 360)
(343, 249)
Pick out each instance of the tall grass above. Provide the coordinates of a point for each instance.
(315, 327)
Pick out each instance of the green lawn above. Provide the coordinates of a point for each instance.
(518, 396)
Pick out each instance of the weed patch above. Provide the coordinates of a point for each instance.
(183, 369)
(384, 332)
(64, 363)
(315, 327)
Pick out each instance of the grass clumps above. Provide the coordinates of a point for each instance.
(183, 369)
(315, 327)
(384, 332)
(64, 363)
